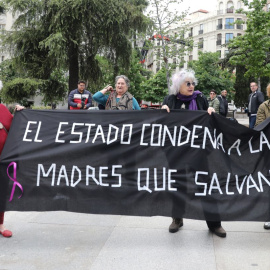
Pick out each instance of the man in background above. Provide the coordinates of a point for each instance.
(80, 98)
(255, 99)
(223, 103)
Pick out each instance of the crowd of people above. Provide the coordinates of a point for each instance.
(182, 96)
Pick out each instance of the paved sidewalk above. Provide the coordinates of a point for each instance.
(63, 240)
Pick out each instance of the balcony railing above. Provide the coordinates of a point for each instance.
(200, 32)
(219, 42)
(219, 26)
(229, 10)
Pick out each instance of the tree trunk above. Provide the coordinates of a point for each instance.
(73, 66)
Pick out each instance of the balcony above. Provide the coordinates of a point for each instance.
(229, 10)
(200, 32)
(239, 26)
(219, 26)
(219, 42)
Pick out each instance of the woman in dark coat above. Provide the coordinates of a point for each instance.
(183, 96)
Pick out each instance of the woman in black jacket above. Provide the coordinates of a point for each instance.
(184, 96)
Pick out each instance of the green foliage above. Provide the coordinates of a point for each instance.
(242, 87)
(211, 76)
(165, 15)
(68, 35)
(137, 75)
(19, 89)
(8, 71)
(55, 88)
(155, 89)
(252, 49)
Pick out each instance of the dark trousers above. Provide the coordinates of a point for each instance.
(252, 121)
(2, 217)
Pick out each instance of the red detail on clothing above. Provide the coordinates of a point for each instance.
(6, 119)
(2, 217)
(77, 98)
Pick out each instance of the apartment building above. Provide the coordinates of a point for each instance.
(210, 31)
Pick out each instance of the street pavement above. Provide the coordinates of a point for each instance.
(64, 240)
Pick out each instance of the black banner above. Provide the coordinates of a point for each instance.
(146, 163)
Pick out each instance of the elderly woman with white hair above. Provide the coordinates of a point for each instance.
(120, 98)
(183, 96)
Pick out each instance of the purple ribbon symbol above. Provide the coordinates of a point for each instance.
(16, 183)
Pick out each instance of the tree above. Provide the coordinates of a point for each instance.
(137, 75)
(252, 49)
(155, 89)
(210, 75)
(68, 34)
(164, 15)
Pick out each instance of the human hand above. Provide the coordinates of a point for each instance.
(166, 108)
(19, 107)
(210, 110)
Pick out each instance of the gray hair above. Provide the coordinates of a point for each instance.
(122, 77)
(179, 78)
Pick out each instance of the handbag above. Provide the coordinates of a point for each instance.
(3, 127)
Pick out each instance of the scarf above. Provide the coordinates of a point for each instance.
(125, 102)
(192, 99)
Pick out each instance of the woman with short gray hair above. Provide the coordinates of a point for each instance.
(120, 98)
(184, 97)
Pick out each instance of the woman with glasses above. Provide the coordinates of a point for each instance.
(184, 96)
(213, 101)
(5, 123)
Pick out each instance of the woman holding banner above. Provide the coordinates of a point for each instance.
(263, 113)
(5, 123)
(183, 96)
(120, 98)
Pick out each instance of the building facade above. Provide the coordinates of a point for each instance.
(210, 31)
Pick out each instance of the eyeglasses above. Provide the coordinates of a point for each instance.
(212, 93)
(188, 84)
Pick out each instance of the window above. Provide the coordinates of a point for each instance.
(229, 23)
(239, 25)
(191, 32)
(158, 66)
(190, 58)
(220, 6)
(2, 58)
(238, 4)
(200, 44)
(182, 61)
(219, 53)
(219, 39)
(228, 37)
(201, 29)
(230, 7)
(219, 25)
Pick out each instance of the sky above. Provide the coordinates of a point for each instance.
(199, 4)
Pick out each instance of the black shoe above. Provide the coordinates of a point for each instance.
(219, 231)
(267, 225)
(176, 224)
